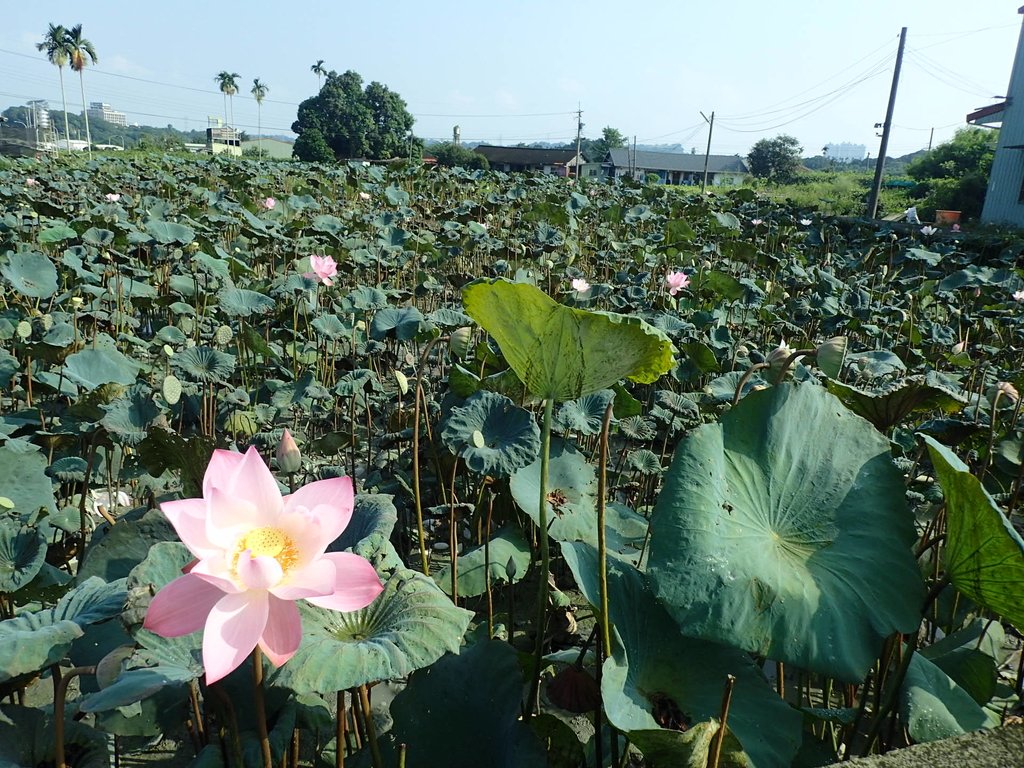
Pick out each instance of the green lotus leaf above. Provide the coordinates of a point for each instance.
(655, 670)
(403, 323)
(332, 327)
(984, 554)
(933, 707)
(876, 363)
(124, 546)
(241, 302)
(572, 503)
(492, 434)
(31, 274)
(560, 352)
(56, 234)
(365, 298)
(22, 554)
(29, 643)
(479, 690)
(168, 232)
(100, 238)
(505, 545)
(94, 367)
(23, 480)
(368, 533)
(205, 364)
(784, 530)
(134, 685)
(645, 461)
(129, 416)
(26, 740)
(584, 414)
(888, 406)
(9, 368)
(409, 626)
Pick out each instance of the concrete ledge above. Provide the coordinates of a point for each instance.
(998, 748)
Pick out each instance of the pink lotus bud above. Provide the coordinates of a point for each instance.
(289, 458)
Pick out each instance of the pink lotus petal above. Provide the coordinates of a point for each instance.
(283, 633)
(318, 579)
(214, 570)
(220, 470)
(254, 482)
(261, 572)
(233, 628)
(180, 607)
(357, 583)
(229, 517)
(330, 502)
(188, 516)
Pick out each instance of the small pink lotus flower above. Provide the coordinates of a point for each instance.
(288, 455)
(30, 182)
(756, 222)
(960, 347)
(580, 285)
(927, 230)
(676, 281)
(324, 268)
(364, 195)
(955, 228)
(112, 197)
(269, 203)
(1018, 295)
(805, 222)
(257, 553)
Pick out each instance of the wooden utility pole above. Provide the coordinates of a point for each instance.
(707, 153)
(876, 187)
(632, 169)
(579, 138)
(930, 137)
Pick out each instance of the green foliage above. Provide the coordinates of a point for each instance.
(775, 159)
(954, 175)
(450, 154)
(354, 122)
(595, 150)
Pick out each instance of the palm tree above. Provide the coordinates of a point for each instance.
(55, 46)
(81, 52)
(318, 70)
(228, 82)
(259, 92)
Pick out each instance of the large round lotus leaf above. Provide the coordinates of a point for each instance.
(205, 364)
(125, 545)
(128, 416)
(31, 274)
(658, 683)
(23, 480)
(92, 368)
(584, 414)
(409, 626)
(984, 555)
(934, 707)
(22, 554)
(784, 530)
(30, 643)
(493, 558)
(167, 232)
(241, 302)
(492, 434)
(26, 740)
(368, 533)
(401, 322)
(572, 503)
(561, 352)
(888, 406)
(480, 692)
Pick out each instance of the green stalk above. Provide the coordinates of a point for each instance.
(545, 555)
(602, 544)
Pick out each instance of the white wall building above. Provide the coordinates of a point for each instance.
(100, 111)
(845, 152)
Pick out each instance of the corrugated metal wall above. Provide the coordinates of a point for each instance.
(1004, 201)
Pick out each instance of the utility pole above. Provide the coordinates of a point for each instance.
(930, 137)
(876, 187)
(579, 138)
(707, 153)
(632, 168)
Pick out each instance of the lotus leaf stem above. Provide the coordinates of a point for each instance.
(58, 711)
(371, 730)
(545, 554)
(602, 539)
(716, 746)
(261, 707)
(745, 378)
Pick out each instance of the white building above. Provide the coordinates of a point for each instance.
(845, 152)
(100, 111)
(40, 113)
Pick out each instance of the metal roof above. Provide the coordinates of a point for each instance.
(676, 161)
(526, 155)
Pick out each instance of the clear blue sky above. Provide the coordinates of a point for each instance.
(515, 71)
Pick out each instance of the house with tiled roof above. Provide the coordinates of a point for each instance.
(561, 162)
(676, 167)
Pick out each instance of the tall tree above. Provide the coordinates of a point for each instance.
(318, 70)
(80, 53)
(55, 46)
(596, 150)
(259, 92)
(353, 122)
(228, 82)
(777, 159)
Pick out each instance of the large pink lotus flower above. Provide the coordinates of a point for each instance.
(324, 268)
(257, 553)
(676, 281)
(269, 203)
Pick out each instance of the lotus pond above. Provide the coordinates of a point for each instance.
(641, 478)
